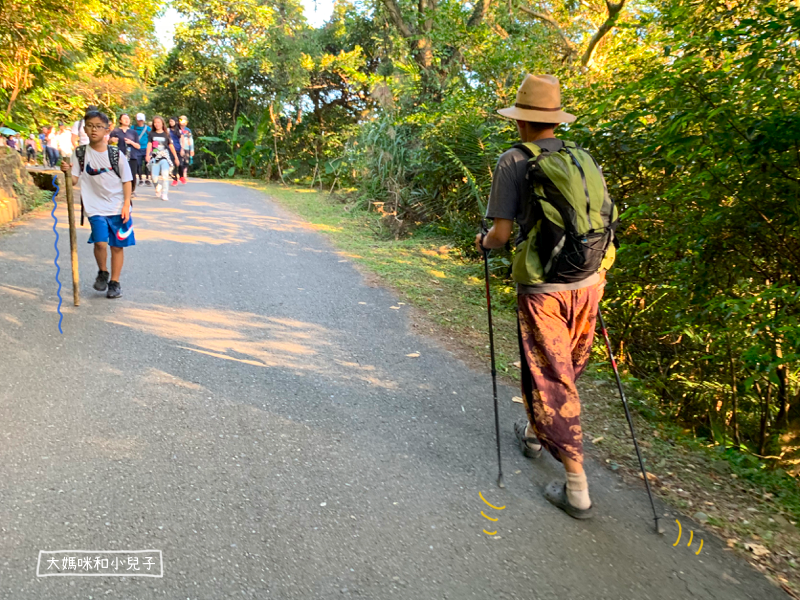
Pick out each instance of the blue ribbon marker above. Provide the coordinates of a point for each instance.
(58, 269)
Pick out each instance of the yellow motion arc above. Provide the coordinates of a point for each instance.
(680, 532)
(691, 537)
(487, 516)
(489, 532)
(700, 548)
(489, 505)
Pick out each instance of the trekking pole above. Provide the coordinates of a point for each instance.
(500, 482)
(628, 416)
(73, 238)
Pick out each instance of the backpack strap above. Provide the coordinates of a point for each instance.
(113, 158)
(583, 179)
(533, 213)
(80, 154)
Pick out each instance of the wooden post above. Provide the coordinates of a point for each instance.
(73, 240)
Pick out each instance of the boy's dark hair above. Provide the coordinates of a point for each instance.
(96, 114)
(91, 108)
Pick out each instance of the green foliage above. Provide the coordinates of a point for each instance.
(57, 57)
(705, 300)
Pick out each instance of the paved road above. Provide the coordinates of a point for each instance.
(248, 408)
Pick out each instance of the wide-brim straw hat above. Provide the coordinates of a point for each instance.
(538, 101)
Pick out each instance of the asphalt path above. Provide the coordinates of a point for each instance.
(248, 408)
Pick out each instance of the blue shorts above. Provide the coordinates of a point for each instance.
(112, 231)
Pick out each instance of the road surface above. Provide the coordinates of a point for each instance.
(247, 407)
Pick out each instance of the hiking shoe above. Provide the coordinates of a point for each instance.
(556, 494)
(183, 180)
(531, 447)
(174, 182)
(114, 290)
(101, 283)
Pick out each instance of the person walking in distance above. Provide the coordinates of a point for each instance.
(157, 156)
(557, 194)
(30, 149)
(127, 141)
(43, 146)
(187, 143)
(51, 146)
(175, 134)
(141, 129)
(64, 141)
(105, 179)
(79, 137)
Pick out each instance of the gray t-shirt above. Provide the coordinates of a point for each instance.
(506, 202)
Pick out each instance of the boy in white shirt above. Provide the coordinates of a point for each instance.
(106, 193)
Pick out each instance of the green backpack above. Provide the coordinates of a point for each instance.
(568, 222)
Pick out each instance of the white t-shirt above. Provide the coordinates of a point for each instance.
(101, 191)
(83, 139)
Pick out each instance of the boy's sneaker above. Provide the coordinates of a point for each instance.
(183, 180)
(148, 182)
(174, 182)
(114, 290)
(158, 189)
(164, 196)
(141, 182)
(101, 283)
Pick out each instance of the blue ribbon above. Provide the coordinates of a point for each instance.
(58, 269)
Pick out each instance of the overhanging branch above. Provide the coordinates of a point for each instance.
(613, 12)
(550, 20)
(397, 18)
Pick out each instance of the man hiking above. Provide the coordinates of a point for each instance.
(105, 178)
(556, 193)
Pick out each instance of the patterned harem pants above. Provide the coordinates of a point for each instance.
(555, 333)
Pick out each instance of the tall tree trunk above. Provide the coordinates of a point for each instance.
(765, 404)
(734, 399)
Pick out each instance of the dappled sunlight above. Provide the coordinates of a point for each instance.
(18, 257)
(245, 338)
(20, 292)
(218, 223)
(230, 335)
(441, 253)
(159, 377)
(12, 320)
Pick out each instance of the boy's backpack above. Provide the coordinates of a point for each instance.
(113, 158)
(569, 220)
